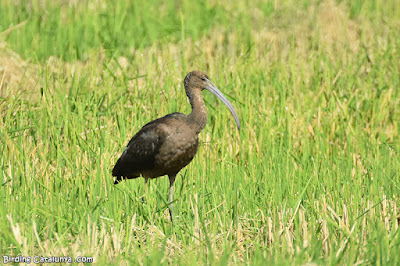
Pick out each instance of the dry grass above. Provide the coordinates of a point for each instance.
(289, 228)
(16, 75)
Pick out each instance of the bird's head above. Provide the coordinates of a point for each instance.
(198, 80)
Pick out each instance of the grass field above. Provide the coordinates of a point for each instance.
(313, 175)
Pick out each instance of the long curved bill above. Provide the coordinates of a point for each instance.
(214, 90)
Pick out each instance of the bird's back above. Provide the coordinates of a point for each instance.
(163, 146)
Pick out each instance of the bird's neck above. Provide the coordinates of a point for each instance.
(198, 116)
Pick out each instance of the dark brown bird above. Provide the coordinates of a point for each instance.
(166, 145)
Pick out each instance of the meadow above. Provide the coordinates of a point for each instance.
(312, 176)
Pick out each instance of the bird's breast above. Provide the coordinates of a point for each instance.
(178, 149)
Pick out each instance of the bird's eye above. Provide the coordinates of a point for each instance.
(203, 79)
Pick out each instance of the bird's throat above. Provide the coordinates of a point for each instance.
(198, 116)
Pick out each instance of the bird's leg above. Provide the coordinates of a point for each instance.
(171, 196)
(146, 189)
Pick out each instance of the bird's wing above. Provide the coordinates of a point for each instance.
(140, 153)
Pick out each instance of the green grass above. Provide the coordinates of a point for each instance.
(71, 30)
(313, 175)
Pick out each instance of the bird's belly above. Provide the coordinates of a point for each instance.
(175, 153)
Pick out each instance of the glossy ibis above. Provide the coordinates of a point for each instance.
(166, 145)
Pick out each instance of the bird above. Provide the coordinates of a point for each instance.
(168, 144)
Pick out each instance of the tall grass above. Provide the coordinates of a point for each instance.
(312, 176)
(69, 30)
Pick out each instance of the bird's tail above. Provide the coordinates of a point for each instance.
(121, 178)
(117, 180)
